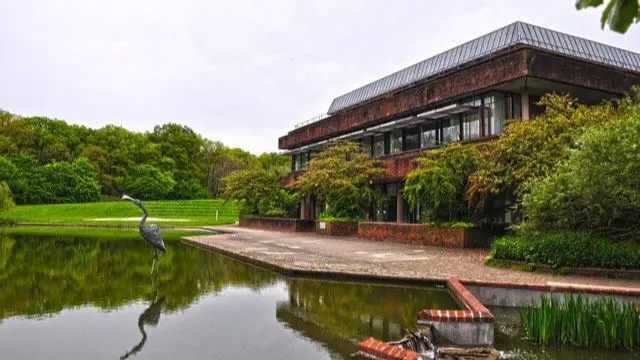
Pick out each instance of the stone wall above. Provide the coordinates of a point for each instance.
(337, 228)
(277, 224)
(418, 234)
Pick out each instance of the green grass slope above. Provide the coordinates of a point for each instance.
(197, 212)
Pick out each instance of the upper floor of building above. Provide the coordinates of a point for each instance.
(467, 93)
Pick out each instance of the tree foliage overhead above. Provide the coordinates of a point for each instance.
(439, 183)
(340, 176)
(617, 14)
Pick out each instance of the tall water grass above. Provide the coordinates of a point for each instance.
(581, 322)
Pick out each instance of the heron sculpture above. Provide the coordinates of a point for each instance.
(151, 233)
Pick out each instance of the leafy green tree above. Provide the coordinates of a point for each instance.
(149, 183)
(184, 146)
(618, 14)
(258, 192)
(220, 161)
(439, 184)
(530, 150)
(6, 198)
(187, 189)
(597, 188)
(280, 164)
(341, 177)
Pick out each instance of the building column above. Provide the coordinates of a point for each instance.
(525, 105)
(399, 205)
(303, 208)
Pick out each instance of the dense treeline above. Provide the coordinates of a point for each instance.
(49, 161)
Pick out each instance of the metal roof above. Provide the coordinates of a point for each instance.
(510, 35)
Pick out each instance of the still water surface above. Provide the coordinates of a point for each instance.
(86, 297)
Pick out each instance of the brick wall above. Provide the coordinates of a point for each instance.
(277, 224)
(418, 234)
(499, 68)
(478, 76)
(337, 228)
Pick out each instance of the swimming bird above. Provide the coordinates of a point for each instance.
(151, 233)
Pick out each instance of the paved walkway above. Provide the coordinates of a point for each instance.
(308, 251)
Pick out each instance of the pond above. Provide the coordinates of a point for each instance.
(92, 297)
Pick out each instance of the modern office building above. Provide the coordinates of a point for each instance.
(463, 94)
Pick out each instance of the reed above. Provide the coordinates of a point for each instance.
(579, 322)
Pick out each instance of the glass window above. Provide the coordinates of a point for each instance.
(396, 141)
(517, 107)
(471, 125)
(378, 145)
(294, 164)
(450, 130)
(429, 134)
(365, 143)
(494, 107)
(412, 139)
(303, 160)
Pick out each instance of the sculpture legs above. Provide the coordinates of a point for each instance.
(155, 258)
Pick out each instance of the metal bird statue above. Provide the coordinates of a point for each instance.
(151, 233)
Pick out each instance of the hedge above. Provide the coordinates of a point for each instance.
(573, 249)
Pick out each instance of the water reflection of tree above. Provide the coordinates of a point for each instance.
(360, 310)
(45, 274)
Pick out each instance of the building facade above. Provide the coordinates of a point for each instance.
(465, 94)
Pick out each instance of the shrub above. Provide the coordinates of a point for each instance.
(597, 188)
(56, 182)
(575, 249)
(530, 150)
(258, 192)
(6, 198)
(149, 183)
(187, 190)
(439, 183)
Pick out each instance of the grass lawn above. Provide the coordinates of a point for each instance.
(182, 213)
(115, 234)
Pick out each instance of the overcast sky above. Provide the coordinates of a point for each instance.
(242, 72)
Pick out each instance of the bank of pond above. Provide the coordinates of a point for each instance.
(87, 293)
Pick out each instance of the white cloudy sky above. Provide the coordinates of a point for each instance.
(242, 72)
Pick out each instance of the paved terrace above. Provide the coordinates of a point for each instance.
(311, 252)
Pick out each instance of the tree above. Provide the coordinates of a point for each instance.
(258, 192)
(219, 161)
(6, 198)
(530, 150)
(280, 164)
(187, 189)
(149, 183)
(341, 177)
(439, 184)
(618, 14)
(597, 188)
(184, 146)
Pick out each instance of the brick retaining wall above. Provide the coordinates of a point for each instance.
(337, 228)
(277, 224)
(418, 234)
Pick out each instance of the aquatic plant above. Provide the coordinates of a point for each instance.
(579, 321)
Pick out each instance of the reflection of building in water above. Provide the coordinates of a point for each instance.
(296, 319)
(340, 314)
